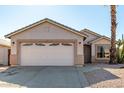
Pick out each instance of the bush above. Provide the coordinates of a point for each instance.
(120, 50)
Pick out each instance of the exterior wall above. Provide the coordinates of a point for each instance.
(93, 51)
(13, 59)
(44, 32)
(80, 52)
(3, 55)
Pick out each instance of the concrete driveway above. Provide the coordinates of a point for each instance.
(42, 77)
(91, 75)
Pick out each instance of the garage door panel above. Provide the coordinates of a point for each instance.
(47, 55)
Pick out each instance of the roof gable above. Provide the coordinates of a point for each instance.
(96, 40)
(93, 37)
(90, 32)
(42, 21)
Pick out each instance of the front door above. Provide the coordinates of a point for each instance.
(87, 54)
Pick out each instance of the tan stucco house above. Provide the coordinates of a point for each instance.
(4, 51)
(49, 43)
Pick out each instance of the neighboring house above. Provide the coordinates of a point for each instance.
(4, 52)
(49, 43)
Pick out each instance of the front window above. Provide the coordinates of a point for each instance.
(54, 44)
(103, 51)
(66, 44)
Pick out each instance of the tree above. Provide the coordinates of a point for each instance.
(113, 35)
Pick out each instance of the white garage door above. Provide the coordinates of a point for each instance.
(47, 54)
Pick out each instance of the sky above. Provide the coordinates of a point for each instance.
(93, 17)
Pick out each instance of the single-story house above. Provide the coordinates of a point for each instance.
(4, 51)
(49, 43)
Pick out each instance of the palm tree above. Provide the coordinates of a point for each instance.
(113, 35)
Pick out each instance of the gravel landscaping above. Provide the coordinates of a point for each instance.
(105, 76)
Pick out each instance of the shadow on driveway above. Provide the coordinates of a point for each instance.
(53, 77)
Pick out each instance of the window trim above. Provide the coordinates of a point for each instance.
(66, 44)
(54, 44)
(27, 44)
(96, 52)
(40, 44)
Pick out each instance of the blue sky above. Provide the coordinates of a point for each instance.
(95, 18)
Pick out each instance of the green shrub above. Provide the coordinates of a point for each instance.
(120, 50)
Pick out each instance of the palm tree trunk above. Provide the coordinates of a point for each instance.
(113, 35)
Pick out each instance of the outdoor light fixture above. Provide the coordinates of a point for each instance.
(13, 43)
(79, 42)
